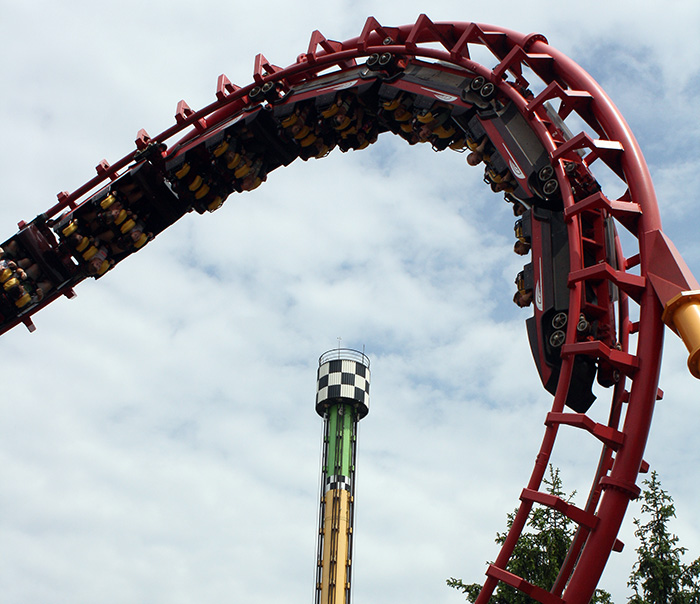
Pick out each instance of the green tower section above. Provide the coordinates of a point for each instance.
(341, 440)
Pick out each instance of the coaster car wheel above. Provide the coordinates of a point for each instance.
(557, 338)
(559, 320)
(583, 325)
(255, 94)
(545, 173)
(372, 61)
(550, 187)
(269, 91)
(385, 59)
(488, 91)
(477, 83)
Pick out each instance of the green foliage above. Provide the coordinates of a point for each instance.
(539, 553)
(659, 576)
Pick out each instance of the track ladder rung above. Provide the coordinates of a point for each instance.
(513, 61)
(625, 362)
(571, 100)
(621, 209)
(608, 151)
(537, 593)
(633, 285)
(579, 516)
(605, 434)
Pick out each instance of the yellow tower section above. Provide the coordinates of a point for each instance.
(335, 562)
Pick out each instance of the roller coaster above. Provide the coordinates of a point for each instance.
(536, 122)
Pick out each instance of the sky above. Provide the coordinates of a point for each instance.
(158, 439)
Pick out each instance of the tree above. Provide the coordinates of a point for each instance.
(538, 554)
(659, 576)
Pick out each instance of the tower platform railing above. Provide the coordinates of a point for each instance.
(346, 354)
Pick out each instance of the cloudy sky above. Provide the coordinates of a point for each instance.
(158, 441)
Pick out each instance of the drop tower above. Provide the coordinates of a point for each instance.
(342, 400)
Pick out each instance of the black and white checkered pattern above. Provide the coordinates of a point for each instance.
(342, 380)
(337, 483)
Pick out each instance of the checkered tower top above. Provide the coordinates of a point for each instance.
(343, 377)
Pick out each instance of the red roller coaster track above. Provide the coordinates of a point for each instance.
(653, 285)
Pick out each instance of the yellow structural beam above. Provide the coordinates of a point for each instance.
(682, 314)
(336, 540)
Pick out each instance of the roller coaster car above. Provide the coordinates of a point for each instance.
(302, 129)
(142, 191)
(119, 219)
(265, 141)
(198, 173)
(40, 244)
(231, 121)
(252, 134)
(147, 194)
(547, 278)
(330, 105)
(323, 89)
(41, 274)
(516, 149)
(519, 151)
(428, 83)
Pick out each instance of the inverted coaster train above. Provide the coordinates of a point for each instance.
(536, 120)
